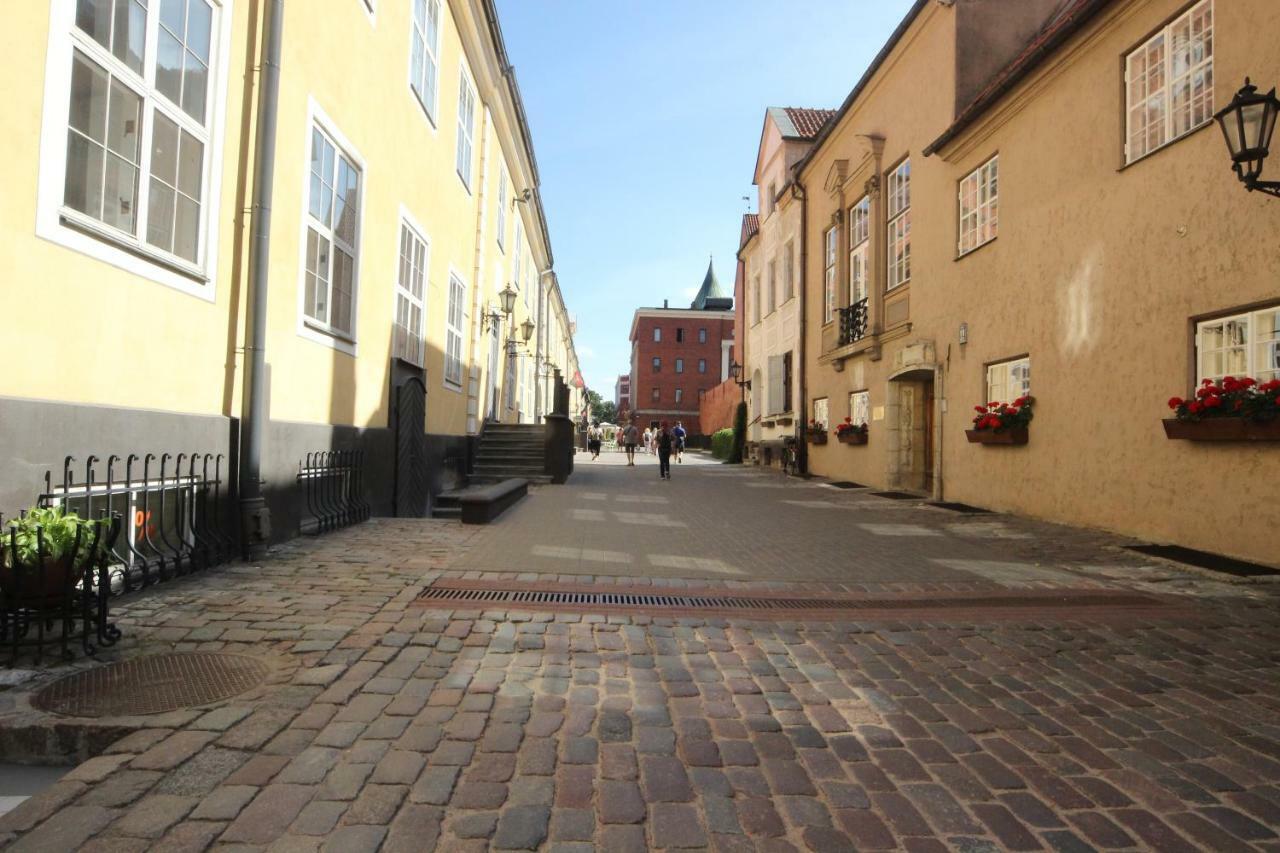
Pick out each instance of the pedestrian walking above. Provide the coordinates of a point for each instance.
(665, 442)
(679, 435)
(647, 438)
(630, 436)
(593, 441)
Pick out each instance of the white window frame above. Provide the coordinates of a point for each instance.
(517, 256)
(860, 407)
(702, 336)
(679, 395)
(1143, 94)
(309, 328)
(859, 247)
(503, 180)
(88, 236)
(1256, 345)
(899, 225)
(409, 227)
(467, 104)
(822, 411)
(455, 320)
(830, 241)
(702, 365)
(421, 33)
(978, 199)
(789, 272)
(657, 334)
(679, 365)
(1003, 384)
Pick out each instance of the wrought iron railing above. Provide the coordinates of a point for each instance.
(174, 517)
(853, 322)
(334, 484)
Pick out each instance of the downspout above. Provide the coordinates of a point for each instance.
(802, 445)
(255, 516)
(537, 350)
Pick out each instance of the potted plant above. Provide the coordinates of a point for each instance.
(1001, 423)
(851, 433)
(44, 554)
(816, 433)
(1235, 409)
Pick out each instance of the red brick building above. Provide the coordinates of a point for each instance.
(678, 353)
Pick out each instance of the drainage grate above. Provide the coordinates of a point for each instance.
(547, 598)
(959, 507)
(151, 685)
(1206, 560)
(847, 484)
(898, 496)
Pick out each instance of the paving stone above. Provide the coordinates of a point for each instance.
(72, 828)
(224, 803)
(434, 786)
(377, 804)
(355, 839)
(318, 818)
(173, 750)
(674, 825)
(622, 839)
(522, 828)
(665, 780)
(415, 828)
(275, 807)
(620, 802)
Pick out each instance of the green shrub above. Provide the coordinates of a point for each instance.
(722, 443)
(739, 435)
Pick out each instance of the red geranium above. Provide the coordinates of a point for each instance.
(1233, 396)
(997, 416)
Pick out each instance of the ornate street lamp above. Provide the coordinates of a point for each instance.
(508, 296)
(526, 330)
(735, 370)
(1247, 123)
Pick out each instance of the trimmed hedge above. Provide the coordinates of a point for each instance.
(739, 435)
(722, 443)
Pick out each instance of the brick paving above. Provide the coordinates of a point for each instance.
(390, 725)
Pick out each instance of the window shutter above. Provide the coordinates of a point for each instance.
(775, 383)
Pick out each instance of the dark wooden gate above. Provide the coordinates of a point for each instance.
(411, 449)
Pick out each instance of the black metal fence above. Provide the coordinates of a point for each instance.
(333, 481)
(853, 322)
(173, 510)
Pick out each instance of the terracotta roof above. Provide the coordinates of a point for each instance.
(805, 122)
(750, 224)
(1070, 20)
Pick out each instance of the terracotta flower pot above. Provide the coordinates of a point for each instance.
(1010, 435)
(46, 587)
(1223, 429)
(852, 437)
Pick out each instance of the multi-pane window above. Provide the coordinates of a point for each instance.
(773, 286)
(679, 365)
(1242, 345)
(820, 411)
(859, 240)
(466, 126)
(333, 215)
(756, 301)
(787, 378)
(657, 364)
(789, 272)
(679, 335)
(899, 195)
(860, 407)
(702, 365)
(829, 280)
(502, 208)
(1008, 380)
(424, 65)
(1169, 82)
(453, 333)
(138, 124)
(655, 395)
(657, 335)
(517, 254)
(679, 394)
(702, 336)
(407, 340)
(979, 206)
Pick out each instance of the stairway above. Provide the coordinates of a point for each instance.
(511, 450)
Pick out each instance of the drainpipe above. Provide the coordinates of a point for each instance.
(802, 447)
(255, 516)
(537, 353)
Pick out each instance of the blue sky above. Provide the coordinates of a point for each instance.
(645, 120)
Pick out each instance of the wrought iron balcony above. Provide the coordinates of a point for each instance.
(853, 322)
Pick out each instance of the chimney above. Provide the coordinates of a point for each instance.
(664, 303)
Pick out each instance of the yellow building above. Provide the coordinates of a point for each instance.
(404, 200)
(1040, 205)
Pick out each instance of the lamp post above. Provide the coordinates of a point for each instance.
(735, 371)
(1247, 124)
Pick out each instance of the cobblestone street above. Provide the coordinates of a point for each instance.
(390, 724)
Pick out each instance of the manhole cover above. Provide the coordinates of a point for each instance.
(151, 685)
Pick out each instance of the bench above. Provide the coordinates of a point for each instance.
(482, 504)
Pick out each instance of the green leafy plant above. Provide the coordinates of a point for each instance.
(739, 446)
(722, 443)
(50, 527)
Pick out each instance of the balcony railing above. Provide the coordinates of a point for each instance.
(853, 322)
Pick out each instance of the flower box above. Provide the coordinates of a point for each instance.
(852, 436)
(1223, 429)
(816, 437)
(1009, 435)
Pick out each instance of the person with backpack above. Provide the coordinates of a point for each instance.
(593, 440)
(680, 435)
(665, 441)
(630, 437)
